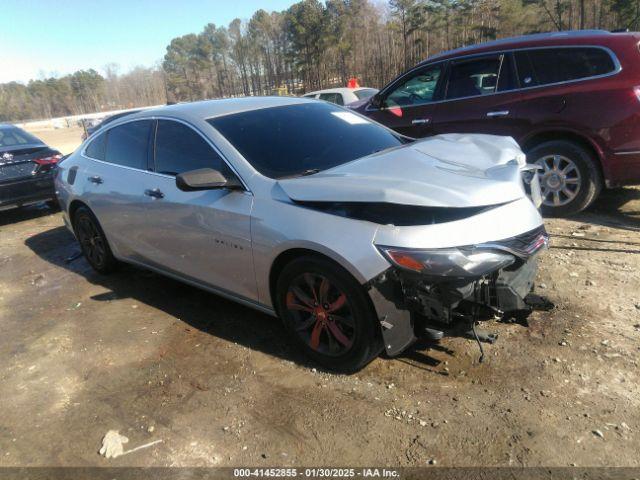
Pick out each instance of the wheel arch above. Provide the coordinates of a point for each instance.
(567, 135)
(287, 256)
(73, 208)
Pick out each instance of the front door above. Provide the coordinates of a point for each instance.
(480, 97)
(408, 106)
(203, 235)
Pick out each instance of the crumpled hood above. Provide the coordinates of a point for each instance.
(453, 170)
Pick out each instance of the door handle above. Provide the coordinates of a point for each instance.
(96, 179)
(420, 121)
(499, 113)
(155, 193)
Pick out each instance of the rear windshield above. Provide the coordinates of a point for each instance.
(365, 93)
(13, 136)
(300, 139)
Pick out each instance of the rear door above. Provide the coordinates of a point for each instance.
(549, 96)
(480, 96)
(115, 182)
(409, 105)
(203, 235)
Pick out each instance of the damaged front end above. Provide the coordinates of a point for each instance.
(442, 292)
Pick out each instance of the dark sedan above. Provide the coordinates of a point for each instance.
(27, 167)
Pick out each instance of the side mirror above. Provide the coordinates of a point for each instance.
(205, 179)
(376, 101)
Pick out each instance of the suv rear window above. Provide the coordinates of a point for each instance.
(554, 65)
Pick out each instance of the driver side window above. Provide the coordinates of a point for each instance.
(180, 149)
(419, 89)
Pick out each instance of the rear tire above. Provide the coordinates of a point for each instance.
(571, 179)
(93, 241)
(328, 314)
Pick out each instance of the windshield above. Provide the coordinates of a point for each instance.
(301, 139)
(365, 93)
(13, 136)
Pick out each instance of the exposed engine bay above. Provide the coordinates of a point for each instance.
(418, 304)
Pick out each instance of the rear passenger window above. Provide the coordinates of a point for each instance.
(127, 144)
(554, 65)
(97, 147)
(180, 149)
(473, 78)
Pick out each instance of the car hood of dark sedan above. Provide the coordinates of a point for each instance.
(454, 170)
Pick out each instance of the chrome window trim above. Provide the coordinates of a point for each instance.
(161, 117)
(612, 55)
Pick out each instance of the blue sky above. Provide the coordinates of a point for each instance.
(40, 37)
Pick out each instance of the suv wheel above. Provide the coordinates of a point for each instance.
(328, 314)
(93, 241)
(569, 177)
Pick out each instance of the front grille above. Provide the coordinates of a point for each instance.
(525, 244)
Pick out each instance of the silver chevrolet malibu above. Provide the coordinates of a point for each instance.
(359, 239)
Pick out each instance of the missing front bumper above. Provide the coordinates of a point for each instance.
(409, 304)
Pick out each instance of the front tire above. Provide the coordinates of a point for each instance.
(328, 314)
(570, 179)
(93, 241)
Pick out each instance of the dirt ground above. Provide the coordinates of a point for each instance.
(82, 353)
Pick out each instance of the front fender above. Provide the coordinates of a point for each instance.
(280, 226)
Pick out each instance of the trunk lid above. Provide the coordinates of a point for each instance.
(18, 163)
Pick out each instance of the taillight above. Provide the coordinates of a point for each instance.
(636, 90)
(48, 160)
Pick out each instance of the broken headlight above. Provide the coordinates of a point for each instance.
(449, 262)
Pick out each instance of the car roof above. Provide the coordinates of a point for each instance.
(118, 115)
(205, 109)
(569, 37)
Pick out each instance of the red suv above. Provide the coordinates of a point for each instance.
(571, 99)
